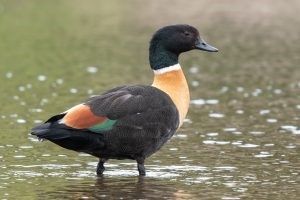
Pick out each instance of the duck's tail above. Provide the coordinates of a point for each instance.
(66, 137)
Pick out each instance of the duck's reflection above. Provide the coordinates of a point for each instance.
(120, 188)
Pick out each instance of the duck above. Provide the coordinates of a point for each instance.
(132, 121)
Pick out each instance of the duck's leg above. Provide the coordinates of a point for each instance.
(100, 166)
(141, 167)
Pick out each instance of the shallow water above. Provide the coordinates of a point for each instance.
(241, 136)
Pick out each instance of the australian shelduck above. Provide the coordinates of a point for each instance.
(132, 121)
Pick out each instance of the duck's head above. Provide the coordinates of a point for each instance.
(168, 42)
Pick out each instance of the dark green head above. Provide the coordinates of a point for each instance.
(168, 42)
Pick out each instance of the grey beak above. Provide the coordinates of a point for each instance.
(202, 45)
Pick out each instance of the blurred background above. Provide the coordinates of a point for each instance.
(241, 136)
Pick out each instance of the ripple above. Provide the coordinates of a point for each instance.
(216, 115)
(230, 198)
(204, 102)
(248, 145)
(264, 112)
(291, 128)
(263, 154)
(48, 166)
(272, 120)
(212, 134)
(215, 142)
(21, 121)
(225, 168)
(229, 129)
(25, 147)
(256, 132)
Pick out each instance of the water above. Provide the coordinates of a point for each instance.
(241, 136)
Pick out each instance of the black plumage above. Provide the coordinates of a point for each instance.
(146, 119)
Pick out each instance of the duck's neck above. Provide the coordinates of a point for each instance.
(172, 81)
(160, 58)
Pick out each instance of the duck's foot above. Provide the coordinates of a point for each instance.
(100, 166)
(141, 167)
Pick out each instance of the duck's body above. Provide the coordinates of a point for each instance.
(134, 121)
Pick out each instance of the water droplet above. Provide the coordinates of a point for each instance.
(229, 129)
(187, 120)
(212, 134)
(19, 156)
(195, 83)
(212, 101)
(248, 145)
(26, 147)
(203, 102)
(269, 145)
(289, 127)
(38, 110)
(230, 198)
(21, 121)
(9, 75)
(240, 89)
(198, 102)
(239, 112)
(236, 132)
(209, 142)
(272, 120)
(180, 136)
(222, 142)
(194, 70)
(264, 112)
(44, 101)
(216, 115)
(256, 92)
(37, 121)
(91, 69)
(277, 91)
(256, 132)
(263, 154)
(237, 143)
(41, 78)
(224, 89)
(73, 90)
(22, 88)
(90, 91)
(13, 115)
(59, 81)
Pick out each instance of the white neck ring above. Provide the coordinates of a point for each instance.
(167, 69)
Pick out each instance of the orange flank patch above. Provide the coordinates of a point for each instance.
(81, 117)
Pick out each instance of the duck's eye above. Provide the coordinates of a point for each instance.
(187, 34)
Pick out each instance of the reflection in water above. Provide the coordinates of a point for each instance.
(119, 188)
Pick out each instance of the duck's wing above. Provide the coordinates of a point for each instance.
(134, 107)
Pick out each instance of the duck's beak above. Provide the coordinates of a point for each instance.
(202, 45)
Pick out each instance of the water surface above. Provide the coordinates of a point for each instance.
(241, 136)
